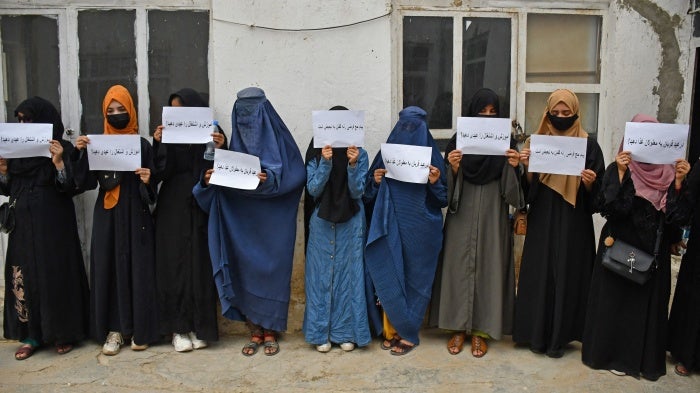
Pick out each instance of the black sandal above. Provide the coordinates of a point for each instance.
(392, 343)
(271, 343)
(405, 348)
(252, 345)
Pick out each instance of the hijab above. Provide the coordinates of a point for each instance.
(120, 94)
(477, 168)
(334, 204)
(38, 110)
(565, 185)
(189, 97)
(651, 181)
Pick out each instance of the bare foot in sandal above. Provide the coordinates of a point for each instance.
(479, 347)
(251, 348)
(24, 352)
(681, 370)
(456, 343)
(63, 349)
(272, 347)
(402, 347)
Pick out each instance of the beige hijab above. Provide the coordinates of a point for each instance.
(565, 185)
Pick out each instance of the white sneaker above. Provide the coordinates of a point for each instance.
(112, 344)
(181, 342)
(618, 373)
(347, 347)
(197, 343)
(324, 347)
(137, 347)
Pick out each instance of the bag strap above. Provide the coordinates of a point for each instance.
(13, 202)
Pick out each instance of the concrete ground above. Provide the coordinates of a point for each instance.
(299, 368)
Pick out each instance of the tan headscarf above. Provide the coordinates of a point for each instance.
(565, 185)
(120, 94)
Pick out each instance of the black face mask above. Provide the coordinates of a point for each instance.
(119, 121)
(562, 123)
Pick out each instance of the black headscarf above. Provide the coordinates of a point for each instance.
(38, 110)
(477, 168)
(189, 97)
(335, 204)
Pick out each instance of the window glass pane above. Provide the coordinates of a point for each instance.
(486, 60)
(30, 51)
(563, 48)
(107, 57)
(427, 67)
(535, 104)
(177, 56)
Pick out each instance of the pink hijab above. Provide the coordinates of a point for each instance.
(651, 181)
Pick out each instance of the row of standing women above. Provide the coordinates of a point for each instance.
(374, 244)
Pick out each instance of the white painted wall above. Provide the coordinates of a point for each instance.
(302, 71)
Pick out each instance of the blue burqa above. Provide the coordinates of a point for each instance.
(252, 232)
(405, 234)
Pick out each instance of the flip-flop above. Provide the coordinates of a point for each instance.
(405, 348)
(681, 370)
(24, 352)
(251, 345)
(63, 349)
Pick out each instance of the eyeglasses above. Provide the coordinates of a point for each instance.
(24, 119)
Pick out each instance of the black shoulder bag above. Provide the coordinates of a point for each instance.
(630, 262)
(7, 215)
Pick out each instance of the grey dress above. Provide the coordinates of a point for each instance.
(475, 283)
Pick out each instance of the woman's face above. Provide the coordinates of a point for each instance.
(22, 118)
(115, 108)
(176, 101)
(561, 110)
(488, 110)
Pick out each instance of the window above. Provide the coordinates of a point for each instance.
(522, 54)
(30, 57)
(177, 56)
(153, 48)
(107, 57)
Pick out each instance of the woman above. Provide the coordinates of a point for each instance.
(474, 290)
(559, 248)
(405, 235)
(335, 309)
(122, 269)
(252, 258)
(684, 321)
(186, 290)
(46, 289)
(625, 330)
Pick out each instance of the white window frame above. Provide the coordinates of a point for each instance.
(66, 13)
(518, 12)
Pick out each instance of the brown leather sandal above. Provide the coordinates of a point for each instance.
(479, 345)
(456, 343)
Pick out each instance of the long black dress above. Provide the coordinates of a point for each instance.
(122, 263)
(684, 322)
(187, 295)
(556, 264)
(46, 289)
(625, 326)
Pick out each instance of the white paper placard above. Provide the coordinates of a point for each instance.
(235, 170)
(407, 163)
(338, 128)
(561, 155)
(114, 152)
(483, 135)
(656, 143)
(19, 140)
(187, 124)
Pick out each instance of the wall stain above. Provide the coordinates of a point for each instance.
(670, 87)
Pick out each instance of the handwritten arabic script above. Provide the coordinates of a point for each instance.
(406, 163)
(114, 152)
(34, 140)
(230, 168)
